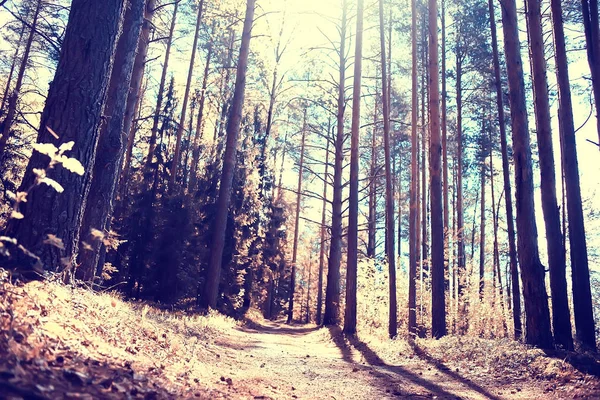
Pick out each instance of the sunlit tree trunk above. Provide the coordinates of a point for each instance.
(445, 152)
(389, 199)
(561, 318)
(290, 316)
(323, 233)
(372, 223)
(582, 299)
(332, 294)
(538, 331)
(438, 294)
(211, 289)
(512, 250)
(412, 234)
(482, 233)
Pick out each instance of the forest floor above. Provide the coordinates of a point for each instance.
(59, 342)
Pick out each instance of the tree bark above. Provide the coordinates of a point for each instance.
(538, 331)
(582, 299)
(111, 146)
(322, 245)
(211, 290)
(352, 260)
(592, 37)
(332, 295)
(512, 248)
(413, 247)
(74, 111)
(561, 316)
(389, 197)
(438, 294)
(290, 316)
(482, 234)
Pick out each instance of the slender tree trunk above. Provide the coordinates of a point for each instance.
(180, 127)
(74, 111)
(461, 264)
(111, 146)
(372, 224)
(438, 294)
(561, 318)
(332, 295)
(134, 99)
(592, 37)
(322, 244)
(200, 123)
(352, 260)
(389, 198)
(12, 70)
(14, 97)
(482, 234)
(413, 246)
(211, 290)
(512, 249)
(290, 316)
(538, 331)
(582, 299)
(445, 152)
(159, 98)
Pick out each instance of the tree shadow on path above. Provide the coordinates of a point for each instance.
(276, 328)
(381, 367)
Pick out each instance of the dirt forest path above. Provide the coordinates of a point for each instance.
(277, 361)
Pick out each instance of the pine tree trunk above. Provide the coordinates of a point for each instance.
(372, 223)
(211, 290)
(512, 248)
(438, 294)
(461, 262)
(538, 331)
(322, 243)
(561, 318)
(73, 110)
(582, 299)
(332, 294)
(134, 99)
(592, 37)
(13, 100)
(482, 234)
(111, 146)
(290, 316)
(445, 152)
(352, 260)
(13, 65)
(159, 99)
(389, 197)
(199, 124)
(177, 155)
(413, 246)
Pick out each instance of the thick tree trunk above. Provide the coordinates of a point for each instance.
(290, 316)
(211, 290)
(332, 294)
(438, 294)
(74, 111)
(352, 260)
(561, 318)
(177, 155)
(538, 331)
(512, 249)
(13, 100)
(412, 234)
(389, 197)
(582, 299)
(111, 146)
